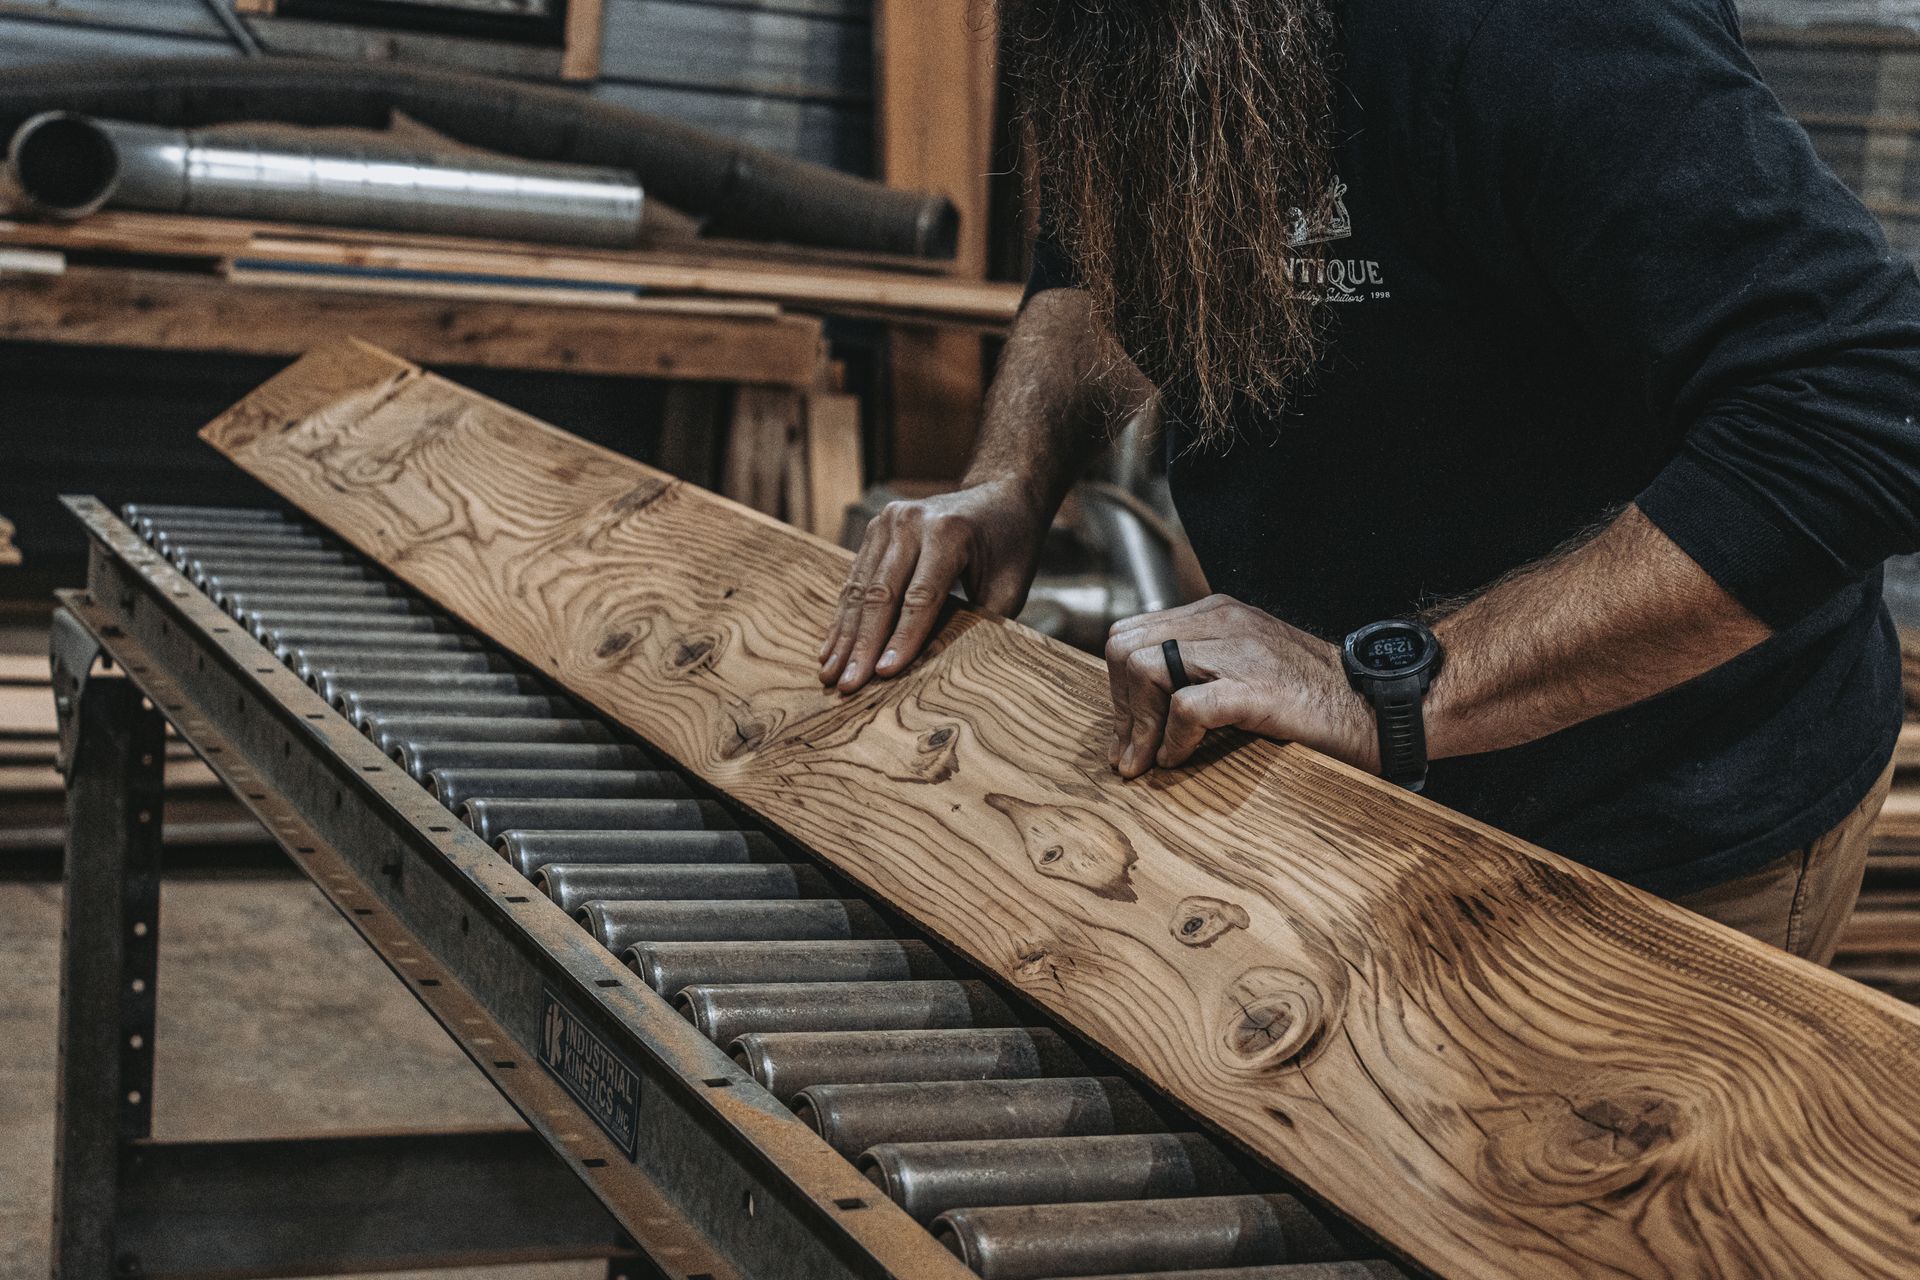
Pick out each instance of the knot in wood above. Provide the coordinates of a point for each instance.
(1278, 1019)
(1578, 1148)
(1074, 845)
(1199, 922)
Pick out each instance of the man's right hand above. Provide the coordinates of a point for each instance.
(986, 536)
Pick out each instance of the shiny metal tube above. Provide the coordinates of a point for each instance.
(855, 1117)
(277, 174)
(670, 967)
(250, 589)
(339, 687)
(492, 818)
(176, 545)
(374, 616)
(724, 1013)
(138, 513)
(202, 565)
(1032, 1242)
(454, 787)
(572, 885)
(787, 1063)
(1367, 1269)
(388, 732)
(529, 851)
(929, 1178)
(1135, 552)
(353, 666)
(423, 758)
(361, 707)
(291, 648)
(309, 661)
(620, 925)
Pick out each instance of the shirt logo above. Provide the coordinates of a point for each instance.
(1338, 226)
(1333, 279)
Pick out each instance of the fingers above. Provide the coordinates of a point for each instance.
(1196, 710)
(1140, 714)
(877, 609)
(941, 559)
(846, 617)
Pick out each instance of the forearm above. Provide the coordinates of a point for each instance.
(1059, 391)
(1624, 617)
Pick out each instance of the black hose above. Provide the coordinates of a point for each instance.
(739, 189)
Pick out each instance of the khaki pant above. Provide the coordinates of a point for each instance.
(1801, 902)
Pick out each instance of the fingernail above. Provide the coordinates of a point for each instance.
(851, 674)
(889, 658)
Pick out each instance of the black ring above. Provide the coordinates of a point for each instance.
(1176, 669)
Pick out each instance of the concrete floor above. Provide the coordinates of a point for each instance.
(274, 1019)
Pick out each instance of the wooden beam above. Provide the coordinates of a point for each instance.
(1503, 1063)
(175, 311)
(935, 68)
(585, 27)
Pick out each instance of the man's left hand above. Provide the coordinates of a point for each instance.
(1249, 670)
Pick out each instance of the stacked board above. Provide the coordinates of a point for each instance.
(1501, 1063)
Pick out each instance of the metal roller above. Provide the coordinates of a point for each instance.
(381, 596)
(212, 534)
(572, 885)
(491, 818)
(259, 618)
(786, 1063)
(336, 689)
(423, 759)
(1367, 1269)
(319, 591)
(294, 648)
(670, 967)
(854, 1117)
(929, 1178)
(389, 732)
(361, 707)
(308, 662)
(726, 1012)
(454, 787)
(1032, 1242)
(201, 566)
(620, 925)
(139, 514)
(277, 628)
(529, 851)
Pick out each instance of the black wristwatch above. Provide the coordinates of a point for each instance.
(1392, 665)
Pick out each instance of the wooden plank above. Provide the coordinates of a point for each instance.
(833, 466)
(586, 24)
(936, 82)
(1503, 1063)
(1881, 933)
(174, 311)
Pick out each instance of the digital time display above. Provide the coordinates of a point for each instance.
(1391, 652)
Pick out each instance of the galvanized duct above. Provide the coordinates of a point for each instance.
(739, 190)
(66, 166)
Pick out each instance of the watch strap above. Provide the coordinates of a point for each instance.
(1402, 725)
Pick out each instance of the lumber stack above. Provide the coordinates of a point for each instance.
(1504, 1064)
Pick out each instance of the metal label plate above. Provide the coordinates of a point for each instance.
(599, 1079)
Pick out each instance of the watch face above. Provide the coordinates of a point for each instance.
(1388, 648)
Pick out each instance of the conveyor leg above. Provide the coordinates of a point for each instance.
(108, 948)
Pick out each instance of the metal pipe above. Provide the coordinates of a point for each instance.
(374, 615)
(572, 885)
(136, 513)
(171, 541)
(929, 1178)
(724, 1013)
(620, 925)
(529, 851)
(1137, 553)
(1366, 1269)
(60, 162)
(670, 967)
(855, 1117)
(786, 1063)
(240, 590)
(1031, 1242)
(423, 758)
(289, 648)
(361, 707)
(491, 818)
(389, 732)
(339, 687)
(454, 787)
(309, 661)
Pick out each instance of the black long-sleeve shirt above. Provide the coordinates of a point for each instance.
(1588, 260)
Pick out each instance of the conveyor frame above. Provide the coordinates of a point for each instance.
(723, 1181)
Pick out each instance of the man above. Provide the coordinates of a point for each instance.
(1540, 320)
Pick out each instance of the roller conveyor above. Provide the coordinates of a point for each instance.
(1024, 1153)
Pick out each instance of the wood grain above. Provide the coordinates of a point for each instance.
(164, 310)
(1502, 1063)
